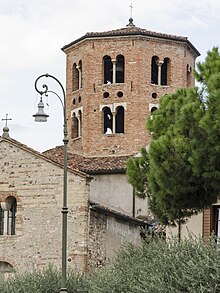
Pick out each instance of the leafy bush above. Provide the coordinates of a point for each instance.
(157, 266)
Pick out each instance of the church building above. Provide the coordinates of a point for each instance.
(114, 80)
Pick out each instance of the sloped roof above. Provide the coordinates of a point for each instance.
(41, 155)
(132, 30)
(90, 165)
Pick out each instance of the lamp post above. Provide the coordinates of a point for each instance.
(40, 116)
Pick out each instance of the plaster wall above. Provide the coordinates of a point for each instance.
(114, 191)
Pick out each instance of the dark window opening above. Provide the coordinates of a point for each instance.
(75, 126)
(154, 70)
(216, 220)
(164, 72)
(153, 109)
(119, 120)
(75, 78)
(108, 70)
(81, 75)
(1, 220)
(12, 217)
(107, 115)
(189, 75)
(80, 123)
(120, 69)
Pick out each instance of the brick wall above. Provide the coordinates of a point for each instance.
(137, 89)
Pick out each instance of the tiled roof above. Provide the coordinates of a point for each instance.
(107, 211)
(58, 162)
(90, 165)
(132, 30)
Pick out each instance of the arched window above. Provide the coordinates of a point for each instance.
(12, 216)
(108, 69)
(119, 120)
(75, 77)
(80, 73)
(154, 70)
(8, 216)
(75, 126)
(153, 109)
(120, 69)
(189, 74)
(107, 119)
(6, 269)
(1, 221)
(165, 71)
(80, 123)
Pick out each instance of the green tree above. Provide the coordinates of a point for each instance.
(183, 175)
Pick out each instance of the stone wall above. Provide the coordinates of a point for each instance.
(37, 184)
(106, 235)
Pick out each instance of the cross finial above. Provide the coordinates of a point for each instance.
(131, 10)
(131, 19)
(6, 119)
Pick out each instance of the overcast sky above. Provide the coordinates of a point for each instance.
(32, 33)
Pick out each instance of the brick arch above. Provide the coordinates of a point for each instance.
(9, 260)
(5, 194)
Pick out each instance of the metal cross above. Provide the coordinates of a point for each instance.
(131, 7)
(6, 120)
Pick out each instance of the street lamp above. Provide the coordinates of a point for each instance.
(40, 116)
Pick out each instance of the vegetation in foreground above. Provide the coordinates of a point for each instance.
(155, 266)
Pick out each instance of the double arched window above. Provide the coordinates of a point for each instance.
(113, 69)
(160, 71)
(8, 210)
(76, 123)
(113, 120)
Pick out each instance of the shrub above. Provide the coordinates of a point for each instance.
(157, 266)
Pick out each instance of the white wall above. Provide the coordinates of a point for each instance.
(114, 191)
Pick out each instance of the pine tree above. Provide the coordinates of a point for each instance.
(183, 165)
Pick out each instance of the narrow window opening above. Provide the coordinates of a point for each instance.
(164, 72)
(154, 70)
(12, 217)
(189, 75)
(75, 77)
(119, 120)
(107, 117)
(108, 70)
(1, 221)
(75, 126)
(80, 123)
(80, 74)
(120, 69)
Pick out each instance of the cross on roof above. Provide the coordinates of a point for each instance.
(6, 119)
(131, 7)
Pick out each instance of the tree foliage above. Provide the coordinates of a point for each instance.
(183, 175)
(156, 266)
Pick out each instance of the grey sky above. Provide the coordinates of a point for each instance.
(33, 31)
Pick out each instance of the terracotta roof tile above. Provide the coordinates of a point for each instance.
(132, 30)
(90, 165)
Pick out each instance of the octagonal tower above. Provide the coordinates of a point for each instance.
(114, 81)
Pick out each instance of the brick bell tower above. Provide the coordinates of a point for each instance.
(114, 81)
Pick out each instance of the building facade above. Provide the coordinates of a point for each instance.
(114, 81)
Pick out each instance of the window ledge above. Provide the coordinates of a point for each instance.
(77, 138)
